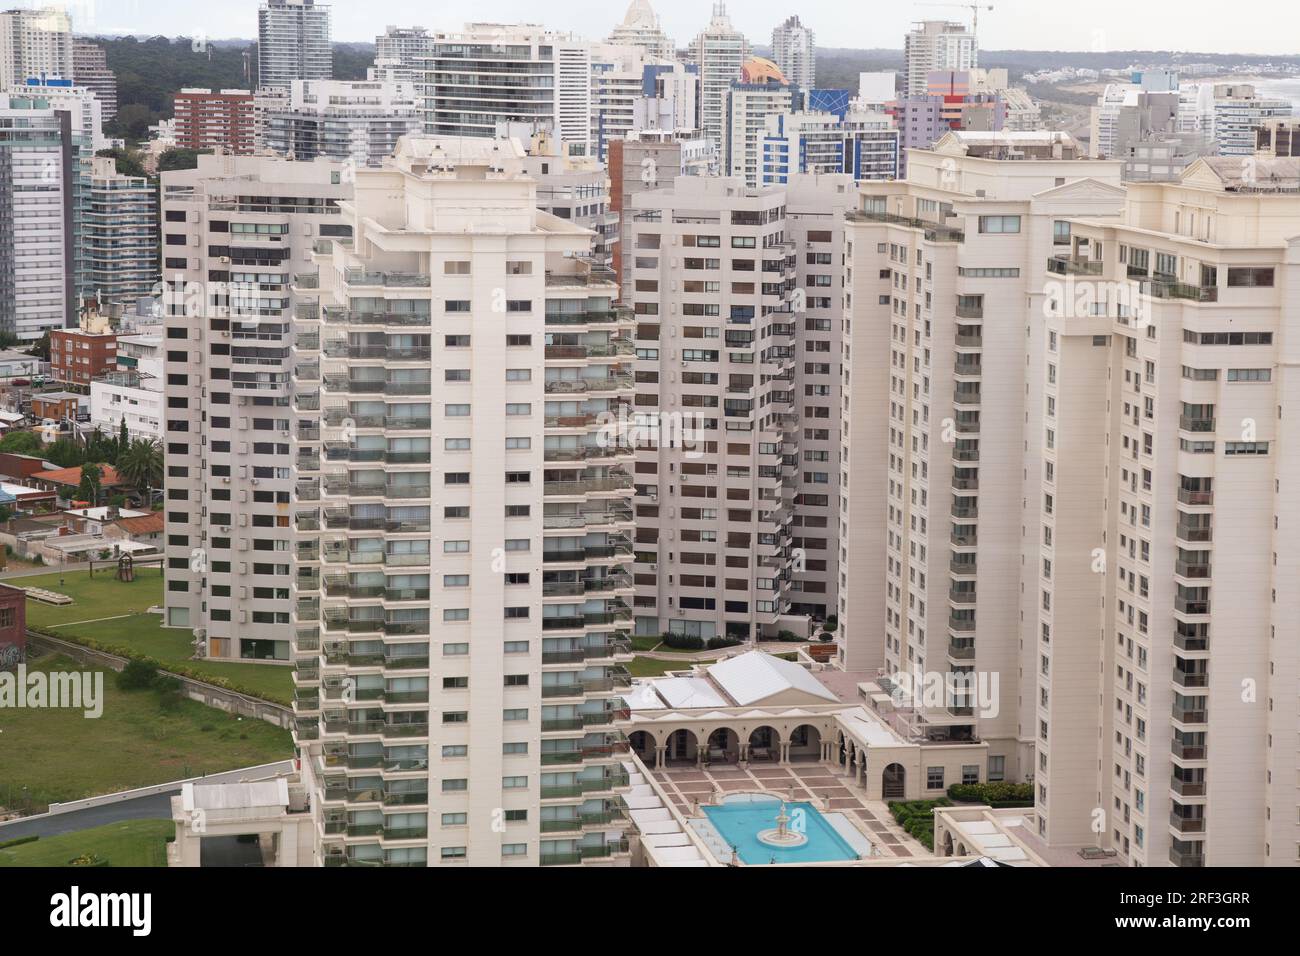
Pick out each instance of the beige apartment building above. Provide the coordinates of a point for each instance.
(235, 232)
(735, 294)
(937, 385)
(461, 619)
(1165, 504)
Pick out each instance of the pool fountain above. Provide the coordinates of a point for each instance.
(782, 837)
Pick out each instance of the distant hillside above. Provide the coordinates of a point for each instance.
(151, 70)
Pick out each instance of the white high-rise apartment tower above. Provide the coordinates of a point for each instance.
(936, 45)
(35, 43)
(509, 73)
(236, 231)
(1159, 607)
(936, 391)
(640, 28)
(794, 50)
(736, 295)
(719, 51)
(293, 43)
(461, 625)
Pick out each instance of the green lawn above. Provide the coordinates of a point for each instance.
(128, 843)
(60, 755)
(649, 667)
(653, 642)
(104, 597)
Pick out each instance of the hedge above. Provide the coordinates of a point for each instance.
(1006, 794)
(18, 841)
(683, 642)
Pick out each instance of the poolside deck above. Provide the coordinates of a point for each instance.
(820, 783)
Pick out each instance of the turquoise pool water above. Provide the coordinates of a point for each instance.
(741, 822)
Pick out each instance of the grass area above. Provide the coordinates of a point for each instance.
(649, 667)
(128, 843)
(113, 616)
(59, 755)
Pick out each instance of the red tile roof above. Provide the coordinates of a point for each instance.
(145, 524)
(72, 476)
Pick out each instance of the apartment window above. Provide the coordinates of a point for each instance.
(456, 478)
(457, 305)
(514, 783)
(453, 852)
(457, 411)
(456, 341)
(518, 444)
(456, 444)
(455, 820)
(519, 305)
(455, 547)
(455, 785)
(519, 408)
(456, 375)
(455, 650)
(970, 774)
(516, 614)
(518, 544)
(455, 268)
(519, 375)
(515, 713)
(934, 778)
(999, 224)
(455, 580)
(514, 849)
(997, 769)
(455, 614)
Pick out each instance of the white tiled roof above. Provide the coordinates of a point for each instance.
(754, 676)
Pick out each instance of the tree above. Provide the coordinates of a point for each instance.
(65, 453)
(132, 122)
(174, 159)
(88, 490)
(141, 465)
(41, 349)
(127, 161)
(21, 443)
(123, 437)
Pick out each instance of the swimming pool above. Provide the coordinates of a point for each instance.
(739, 821)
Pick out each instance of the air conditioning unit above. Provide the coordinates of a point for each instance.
(225, 529)
(225, 480)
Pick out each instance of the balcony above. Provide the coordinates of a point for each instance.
(961, 650)
(1074, 266)
(1187, 788)
(1186, 824)
(1198, 498)
(1190, 713)
(933, 231)
(1188, 858)
(1186, 751)
(1191, 679)
(1189, 423)
(1186, 605)
(1190, 569)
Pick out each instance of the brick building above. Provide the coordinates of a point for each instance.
(207, 119)
(77, 356)
(13, 626)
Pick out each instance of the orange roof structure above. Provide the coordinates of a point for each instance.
(758, 69)
(72, 476)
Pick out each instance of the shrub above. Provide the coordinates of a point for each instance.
(683, 642)
(137, 675)
(18, 841)
(998, 792)
(788, 636)
(716, 642)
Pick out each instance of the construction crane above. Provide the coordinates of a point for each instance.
(974, 8)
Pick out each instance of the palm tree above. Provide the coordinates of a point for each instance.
(140, 465)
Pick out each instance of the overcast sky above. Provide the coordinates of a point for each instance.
(1207, 26)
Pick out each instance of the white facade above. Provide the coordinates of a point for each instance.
(36, 251)
(936, 392)
(640, 28)
(351, 121)
(34, 43)
(794, 50)
(748, 107)
(236, 231)
(936, 45)
(736, 293)
(134, 397)
(293, 43)
(493, 73)
(719, 52)
(463, 522)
